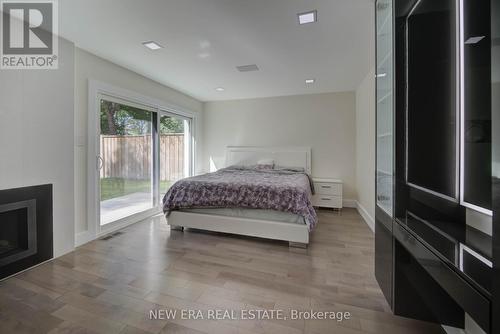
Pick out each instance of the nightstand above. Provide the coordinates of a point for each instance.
(328, 193)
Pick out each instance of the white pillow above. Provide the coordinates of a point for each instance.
(265, 162)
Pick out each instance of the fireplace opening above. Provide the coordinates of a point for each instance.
(26, 231)
(14, 232)
(17, 231)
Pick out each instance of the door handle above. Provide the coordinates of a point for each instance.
(100, 162)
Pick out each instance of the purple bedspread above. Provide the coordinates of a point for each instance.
(237, 187)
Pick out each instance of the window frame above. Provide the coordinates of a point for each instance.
(96, 91)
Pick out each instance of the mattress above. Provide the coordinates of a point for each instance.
(259, 214)
(285, 191)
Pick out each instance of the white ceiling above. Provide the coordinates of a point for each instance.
(205, 40)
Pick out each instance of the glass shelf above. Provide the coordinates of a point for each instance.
(384, 100)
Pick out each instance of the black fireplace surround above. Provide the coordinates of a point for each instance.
(26, 237)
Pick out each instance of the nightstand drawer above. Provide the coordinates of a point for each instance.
(323, 188)
(327, 201)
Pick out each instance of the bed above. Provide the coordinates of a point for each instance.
(271, 200)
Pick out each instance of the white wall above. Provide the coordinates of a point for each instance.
(36, 137)
(89, 66)
(325, 122)
(365, 147)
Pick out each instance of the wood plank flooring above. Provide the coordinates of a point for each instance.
(110, 286)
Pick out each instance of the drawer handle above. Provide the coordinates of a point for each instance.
(327, 187)
(326, 199)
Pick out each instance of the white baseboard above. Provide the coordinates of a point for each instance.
(369, 220)
(82, 238)
(349, 203)
(113, 227)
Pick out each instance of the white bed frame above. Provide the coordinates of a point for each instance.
(296, 234)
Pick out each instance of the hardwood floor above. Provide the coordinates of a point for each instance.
(110, 286)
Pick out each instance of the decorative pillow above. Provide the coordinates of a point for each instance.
(263, 166)
(290, 169)
(266, 162)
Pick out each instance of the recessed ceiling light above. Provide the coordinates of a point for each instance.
(474, 40)
(220, 89)
(247, 68)
(308, 17)
(310, 81)
(152, 45)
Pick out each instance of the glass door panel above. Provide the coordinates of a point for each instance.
(384, 100)
(175, 150)
(126, 161)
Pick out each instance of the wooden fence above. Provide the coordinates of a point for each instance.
(130, 157)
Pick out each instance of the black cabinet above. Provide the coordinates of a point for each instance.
(384, 18)
(476, 104)
(384, 257)
(431, 105)
(438, 146)
(495, 115)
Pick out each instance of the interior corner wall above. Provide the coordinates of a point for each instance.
(365, 146)
(89, 66)
(325, 122)
(36, 136)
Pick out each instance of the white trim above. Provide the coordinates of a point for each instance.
(127, 221)
(93, 209)
(242, 226)
(84, 237)
(97, 89)
(349, 203)
(81, 238)
(366, 216)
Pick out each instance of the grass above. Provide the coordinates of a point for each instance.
(113, 187)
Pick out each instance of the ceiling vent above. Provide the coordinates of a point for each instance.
(247, 68)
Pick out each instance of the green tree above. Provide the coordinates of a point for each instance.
(171, 125)
(120, 119)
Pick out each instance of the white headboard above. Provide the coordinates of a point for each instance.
(282, 156)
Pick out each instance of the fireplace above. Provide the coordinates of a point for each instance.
(17, 231)
(25, 228)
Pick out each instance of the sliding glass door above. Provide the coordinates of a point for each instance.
(126, 156)
(175, 142)
(142, 152)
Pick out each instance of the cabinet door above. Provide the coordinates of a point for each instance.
(384, 77)
(384, 103)
(384, 259)
(495, 111)
(476, 105)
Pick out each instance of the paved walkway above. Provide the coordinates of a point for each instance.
(124, 206)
